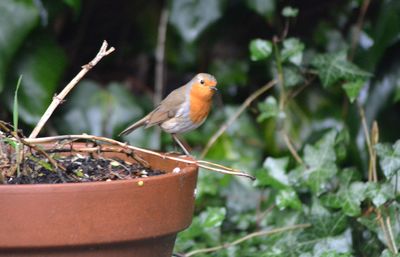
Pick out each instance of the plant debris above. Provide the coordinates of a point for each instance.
(21, 164)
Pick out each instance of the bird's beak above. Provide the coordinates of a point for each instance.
(214, 88)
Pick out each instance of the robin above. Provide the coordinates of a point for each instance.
(184, 109)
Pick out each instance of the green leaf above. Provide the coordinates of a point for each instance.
(268, 109)
(335, 67)
(292, 51)
(389, 158)
(292, 75)
(379, 193)
(320, 163)
(274, 173)
(15, 105)
(17, 19)
(260, 49)
(352, 89)
(324, 222)
(289, 11)
(191, 18)
(262, 7)
(287, 198)
(349, 196)
(42, 64)
(213, 217)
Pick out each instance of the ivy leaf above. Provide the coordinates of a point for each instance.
(213, 217)
(349, 196)
(287, 198)
(292, 51)
(292, 76)
(352, 89)
(379, 193)
(17, 19)
(190, 18)
(260, 49)
(320, 163)
(389, 158)
(324, 222)
(289, 11)
(269, 108)
(335, 67)
(274, 173)
(262, 7)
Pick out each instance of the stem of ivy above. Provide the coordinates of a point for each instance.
(279, 68)
(282, 98)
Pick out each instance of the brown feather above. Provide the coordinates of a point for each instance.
(164, 111)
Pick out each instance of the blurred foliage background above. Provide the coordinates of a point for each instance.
(336, 64)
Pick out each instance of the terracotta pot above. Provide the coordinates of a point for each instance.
(117, 218)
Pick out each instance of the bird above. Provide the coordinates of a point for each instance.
(183, 110)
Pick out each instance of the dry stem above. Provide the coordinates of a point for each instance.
(234, 117)
(247, 237)
(359, 25)
(60, 97)
(199, 163)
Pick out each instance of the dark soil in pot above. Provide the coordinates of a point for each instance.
(60, 163)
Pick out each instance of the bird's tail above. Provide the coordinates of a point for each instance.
(134, 126)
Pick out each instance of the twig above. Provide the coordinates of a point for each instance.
(159, 70)
(60, 97)
(359, 25)
(3, 126)
(264, 213)
(372, 160)
(241, 109)
(247, 237)
(291, 147)
(368, 140)
(384, 229)
(391, 237)
(202, 164)
(160, 53)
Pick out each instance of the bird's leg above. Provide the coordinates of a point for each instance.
(181, 145)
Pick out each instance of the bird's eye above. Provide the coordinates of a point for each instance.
(202, 82)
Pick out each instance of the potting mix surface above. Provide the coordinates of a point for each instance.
(78, 168)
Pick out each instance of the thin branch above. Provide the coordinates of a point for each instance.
(391, 237)
(236, 115)
(160, 54)
(372, 160)
(367, 136)
(247, 237)
(60, 97)
(291, 148)
(203, 164)
(358, 28)
(386, 233)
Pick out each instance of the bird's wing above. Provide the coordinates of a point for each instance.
(168, 107)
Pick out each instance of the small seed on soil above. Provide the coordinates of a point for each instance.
(115, 163)
(140, 183)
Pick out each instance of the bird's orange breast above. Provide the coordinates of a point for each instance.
(200, 103)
